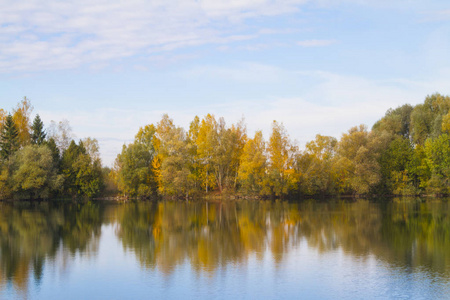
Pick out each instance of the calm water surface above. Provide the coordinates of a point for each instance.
(234, 250)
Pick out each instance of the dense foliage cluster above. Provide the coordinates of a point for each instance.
(38, 165)
(406, 152)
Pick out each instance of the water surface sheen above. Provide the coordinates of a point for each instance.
(249, 250)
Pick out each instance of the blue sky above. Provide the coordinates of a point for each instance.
(320, 66)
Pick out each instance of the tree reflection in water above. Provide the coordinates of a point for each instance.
(213, 235)
(31, 233)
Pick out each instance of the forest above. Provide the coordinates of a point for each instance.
(406, 152)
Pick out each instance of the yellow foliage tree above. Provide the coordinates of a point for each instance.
(207, 144)
(253, 164)
(21, 117)
(282, 177)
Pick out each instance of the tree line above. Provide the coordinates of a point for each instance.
(39, 164)
(407, 152)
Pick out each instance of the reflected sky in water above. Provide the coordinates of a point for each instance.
(250, 249)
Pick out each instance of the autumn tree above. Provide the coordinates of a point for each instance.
(173, 152)
(207, 147)
(282, 177)
(253, 163)
(21, 116)
(237, 138)
(195, 163)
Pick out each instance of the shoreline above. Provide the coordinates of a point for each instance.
(230, 197)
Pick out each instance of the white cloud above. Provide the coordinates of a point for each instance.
(38, 35)
(48, 35)
(316, 43)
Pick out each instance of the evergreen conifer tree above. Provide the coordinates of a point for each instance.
(9, 138)
(37, 131)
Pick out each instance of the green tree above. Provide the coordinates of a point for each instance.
(396, 121)
(358, 160)
(37, 131)
(3, 115)
(51, 144)
(316, 166)
(9, 138)
(82, 171)
(438, 161)
(5, 180)
(34, 174)
(427, 118)
(133, 171)
(394, 161)
(68, 161)
(88, 175)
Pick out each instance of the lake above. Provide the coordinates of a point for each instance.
(398, 249)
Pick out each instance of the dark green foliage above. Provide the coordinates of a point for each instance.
(134, 172)
(51, 144)
(33, 167)
(82, 172)
(9, 138)
(37, 131)
(395, 161)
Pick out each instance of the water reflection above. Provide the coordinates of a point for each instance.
(408, 235)
(30, 234)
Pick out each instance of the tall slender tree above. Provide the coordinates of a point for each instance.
(281, 173)
(9, 138)
(37, 131)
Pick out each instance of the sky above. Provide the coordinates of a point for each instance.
(318, 66)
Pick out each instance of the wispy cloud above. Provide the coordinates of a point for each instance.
(316, 43)
(37, 35)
